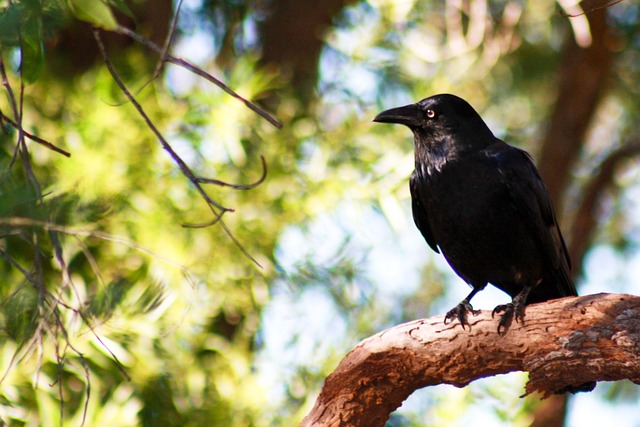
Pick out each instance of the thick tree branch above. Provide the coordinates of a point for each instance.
(588, 212)
(564, 343)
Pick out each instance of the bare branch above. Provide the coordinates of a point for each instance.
(21, 222)
(167, 42)
(196, 70)
(237, 186)
(565, 13)
(34, 138)
(186, 171)
(564, 343)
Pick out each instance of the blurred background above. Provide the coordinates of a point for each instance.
(113, 312)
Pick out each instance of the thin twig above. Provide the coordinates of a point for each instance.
(60, 362)
(165, 49)
(87, 321)
(34, 138)
(186, 171)
(64, 269)
(196, 70)
(584, 12)
(83, 362)
(21, 222)
(8, 89)
(91, 260)
(14, 109)
(238, 186)
(95, 334)
(15, 264)
(167, 42)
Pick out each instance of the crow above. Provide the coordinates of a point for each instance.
(483, 204)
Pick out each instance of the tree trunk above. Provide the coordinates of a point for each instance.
(293, 37)
(583, 76)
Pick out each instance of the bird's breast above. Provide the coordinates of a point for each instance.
(459, 190)
(476, 224)
(470, 208)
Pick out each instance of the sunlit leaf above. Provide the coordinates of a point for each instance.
(96, 12)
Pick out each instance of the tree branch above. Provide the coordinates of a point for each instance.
(200, 72)
(32, 137)
(564, 343)
(587, 214)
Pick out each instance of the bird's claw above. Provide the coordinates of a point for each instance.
(460, 312)
(511, 311)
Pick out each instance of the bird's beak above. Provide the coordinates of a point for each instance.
(408, 115)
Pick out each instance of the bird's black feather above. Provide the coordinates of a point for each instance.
(482, 203)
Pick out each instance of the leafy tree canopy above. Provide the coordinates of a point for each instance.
(147, 262)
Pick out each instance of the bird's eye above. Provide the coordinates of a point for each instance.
(431, 114)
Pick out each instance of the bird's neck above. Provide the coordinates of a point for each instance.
(430, 157)
(433, 153)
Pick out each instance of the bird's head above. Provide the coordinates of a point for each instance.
(442, 115)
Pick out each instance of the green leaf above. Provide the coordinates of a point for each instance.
(32, 50)
(20, 312)
(96, 12)
(9, 23)
(104, 303)
(121, 5)
(32, 60)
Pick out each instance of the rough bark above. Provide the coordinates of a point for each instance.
(565, 342)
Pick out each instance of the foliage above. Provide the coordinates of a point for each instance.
(114, 312)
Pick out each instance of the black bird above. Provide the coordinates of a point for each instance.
(483, 204)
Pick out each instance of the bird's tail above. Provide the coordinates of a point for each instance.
(556, 285)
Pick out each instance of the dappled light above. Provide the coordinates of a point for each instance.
(199, 220)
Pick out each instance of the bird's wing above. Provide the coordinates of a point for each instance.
(533, 200)
(420, 216)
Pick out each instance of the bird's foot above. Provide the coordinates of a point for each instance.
(460, 312)
(511, 311)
